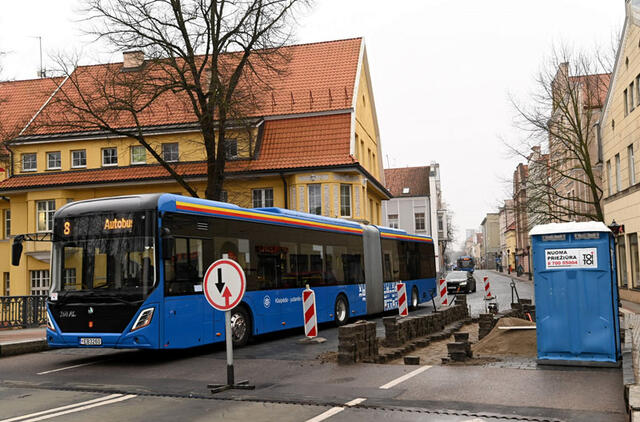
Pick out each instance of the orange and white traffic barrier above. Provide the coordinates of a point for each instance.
(487, 289)
(444, 299)
(309, 312)
(403, 307)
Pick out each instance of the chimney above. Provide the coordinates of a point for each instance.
(132, 60)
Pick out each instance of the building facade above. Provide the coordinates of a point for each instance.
(620, 129)
(490, 227)
(520, 206)
(312, 145)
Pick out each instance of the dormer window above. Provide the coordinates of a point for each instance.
(29, 162)
(109, 157)
(231, 148)
(54, 161)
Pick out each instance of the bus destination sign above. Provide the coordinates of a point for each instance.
(117, 224)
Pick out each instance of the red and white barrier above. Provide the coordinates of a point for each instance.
(403, 307)
(444, 299)
(487, 289)
(309, 312)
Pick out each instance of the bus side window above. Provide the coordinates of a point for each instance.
(185, 270)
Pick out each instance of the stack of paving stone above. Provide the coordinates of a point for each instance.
(485, 325)
(357, 342)
(460, 349)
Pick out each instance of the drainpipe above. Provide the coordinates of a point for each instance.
(286, 190)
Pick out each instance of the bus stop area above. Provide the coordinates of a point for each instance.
(296, 382)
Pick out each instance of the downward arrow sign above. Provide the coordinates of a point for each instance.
(226, 295)
(220, 283)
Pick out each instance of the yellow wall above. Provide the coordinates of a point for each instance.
(366, 145)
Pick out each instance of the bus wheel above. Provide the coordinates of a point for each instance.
(414, 298)
(341, 310)
(240, 326)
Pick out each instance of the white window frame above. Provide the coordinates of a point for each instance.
(609, 178)
(7, 224)
(82, 158)
(6, 283)
(40, 282)
(393, 220)
(346, 195)
(137, 148)
(166, 152)
(314, 197)
(53, 155)
(424, 221)
(48, 212)
(265, 198)
(632, 166)
(104, 150)
(34, 161)
(69, 277)
(618, 181)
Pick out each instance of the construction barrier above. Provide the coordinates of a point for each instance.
(443, 293)
(487, 289)
(403, 307)
(309, 312)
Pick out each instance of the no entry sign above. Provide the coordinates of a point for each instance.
(224, 284)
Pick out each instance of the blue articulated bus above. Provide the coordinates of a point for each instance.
(127, 271)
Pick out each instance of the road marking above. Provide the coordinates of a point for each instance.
(69, 367)
(79, 409)
(57, 409)
(405, 377)
(333, 411)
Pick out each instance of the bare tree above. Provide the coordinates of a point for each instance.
(561, 147)
(206, 59)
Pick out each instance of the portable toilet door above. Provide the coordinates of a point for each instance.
(576, 294)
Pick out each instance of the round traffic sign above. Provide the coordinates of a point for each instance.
(224, 284)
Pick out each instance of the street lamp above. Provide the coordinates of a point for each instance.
(529, 258)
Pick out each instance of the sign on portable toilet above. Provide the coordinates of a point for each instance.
(576, 294)
(443, 292)
(403, 308)
(309, 312)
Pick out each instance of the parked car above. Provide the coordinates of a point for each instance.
(460, 281)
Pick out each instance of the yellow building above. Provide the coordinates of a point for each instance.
(620, 129)
(314, 146)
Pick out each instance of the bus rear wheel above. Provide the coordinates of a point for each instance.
(341, 310)
(240, 326)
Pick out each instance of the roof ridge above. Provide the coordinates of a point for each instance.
(17, 81)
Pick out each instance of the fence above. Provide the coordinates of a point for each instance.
(23, 311)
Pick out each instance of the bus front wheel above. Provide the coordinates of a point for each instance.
(341, 310)
(240, 326)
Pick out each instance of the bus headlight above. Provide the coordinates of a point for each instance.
(143, 319)
(50, 323)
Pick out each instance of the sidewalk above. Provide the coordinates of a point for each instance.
(19, 341)
(523, 277)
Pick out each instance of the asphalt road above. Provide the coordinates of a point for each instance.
(292, 385)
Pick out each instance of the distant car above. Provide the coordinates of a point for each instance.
(460, 281)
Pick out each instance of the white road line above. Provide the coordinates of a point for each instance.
(79, 409)
(57, 409)
(405, 377)
(69, 367)
(333, 411)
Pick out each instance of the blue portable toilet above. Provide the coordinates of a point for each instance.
(576, 294)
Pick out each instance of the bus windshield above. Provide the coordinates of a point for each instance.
(122, 264)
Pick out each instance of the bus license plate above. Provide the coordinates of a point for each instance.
(90, 341)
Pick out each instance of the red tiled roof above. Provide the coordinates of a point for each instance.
(320, 141)
(414, 178)
(311, 78)
(20, 101)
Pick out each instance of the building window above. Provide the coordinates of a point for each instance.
(626, 102)
(622, 262)
(44, 215)
(109, 157)
(393, 220)
(79, 158)
(618, 181)
(632, 166)
(345, 200)
(54, 162)
(262, 198)
(635, 260)
(440, 224)
(7, 224)
(632, 103)
(29, 162)
(231, 148)
(39, 282)
(69, 279)
(419, 217)
(170, 152)
(138, 154)
(315, 198)
(7, 284)
(609, 178)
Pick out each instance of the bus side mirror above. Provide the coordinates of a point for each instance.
(16, 250)
(168, 244)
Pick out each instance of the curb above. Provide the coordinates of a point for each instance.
(22, 347)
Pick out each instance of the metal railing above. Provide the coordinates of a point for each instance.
(23, 311)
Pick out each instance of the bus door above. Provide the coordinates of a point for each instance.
(373, 270)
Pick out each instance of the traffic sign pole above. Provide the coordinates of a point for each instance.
(224, 285)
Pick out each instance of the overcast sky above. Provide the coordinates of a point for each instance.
(442, 72)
